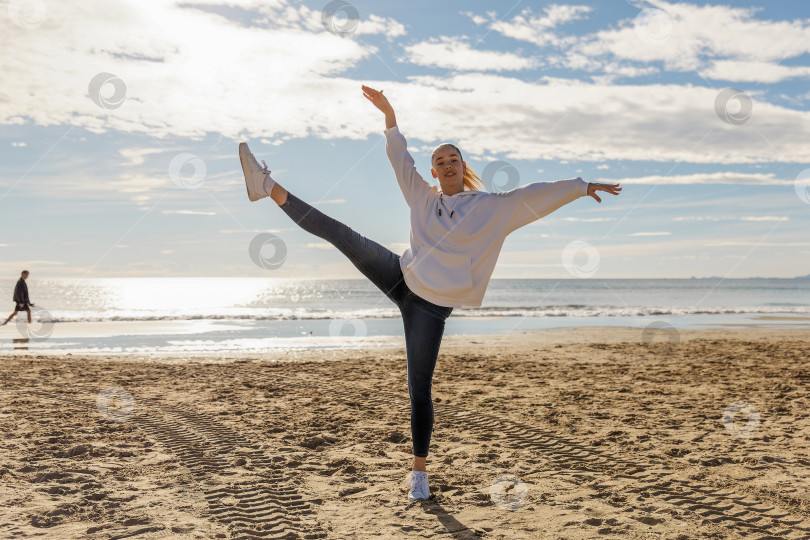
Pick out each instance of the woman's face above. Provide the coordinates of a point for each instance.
(449, 169)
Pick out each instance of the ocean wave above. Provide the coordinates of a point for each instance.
(490, 311)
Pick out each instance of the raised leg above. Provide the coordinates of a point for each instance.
(377, 263)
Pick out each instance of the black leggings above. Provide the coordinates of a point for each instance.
(423, 320)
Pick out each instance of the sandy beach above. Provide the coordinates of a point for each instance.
(571, 433)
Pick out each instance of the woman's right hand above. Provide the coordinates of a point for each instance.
(378, 99)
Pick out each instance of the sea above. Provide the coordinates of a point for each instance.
(230, 314)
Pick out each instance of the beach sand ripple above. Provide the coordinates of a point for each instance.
(535, 437)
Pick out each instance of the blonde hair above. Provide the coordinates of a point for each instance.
(471, 179)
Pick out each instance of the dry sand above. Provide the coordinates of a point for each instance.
(603, 436)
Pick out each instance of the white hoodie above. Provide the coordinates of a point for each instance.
(455, 241)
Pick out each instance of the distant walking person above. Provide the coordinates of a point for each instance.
(21, 300)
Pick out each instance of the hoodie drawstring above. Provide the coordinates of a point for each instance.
(441, 201)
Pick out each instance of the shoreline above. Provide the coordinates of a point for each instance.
(200, 338)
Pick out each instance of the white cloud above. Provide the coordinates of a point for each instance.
(282, 14)
(766, 72)
(614, 70)
(382, 26)
(457, 54)
(18, 144)
(650, 234)
(539, 29)
(29, 264)
(756, 244)
(795, 100)
(477, 19)
(562, 120)
(254, 231)
(706, 39)
(330, 201)
(705, 218)
(137, 183)
(187, 71)
(189, 212)
(765, 179)
(731, 218)
(137, 156)
(765, 218)
(589, 220)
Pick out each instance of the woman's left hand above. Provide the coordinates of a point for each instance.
(613, 189)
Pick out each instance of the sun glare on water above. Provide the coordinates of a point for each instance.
(188, 294)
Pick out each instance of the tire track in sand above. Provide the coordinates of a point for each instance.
(598, 469)
(267, 504)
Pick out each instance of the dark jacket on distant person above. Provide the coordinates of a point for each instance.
(21, 292)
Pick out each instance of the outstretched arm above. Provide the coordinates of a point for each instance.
(381, 102)
(533, 201)
(413, 186)
(528, 203)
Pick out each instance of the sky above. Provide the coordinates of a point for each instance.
(120, 120)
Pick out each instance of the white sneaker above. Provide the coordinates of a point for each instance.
(257, 178)
(418, 484)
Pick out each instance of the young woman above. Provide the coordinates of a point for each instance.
(456, 235)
